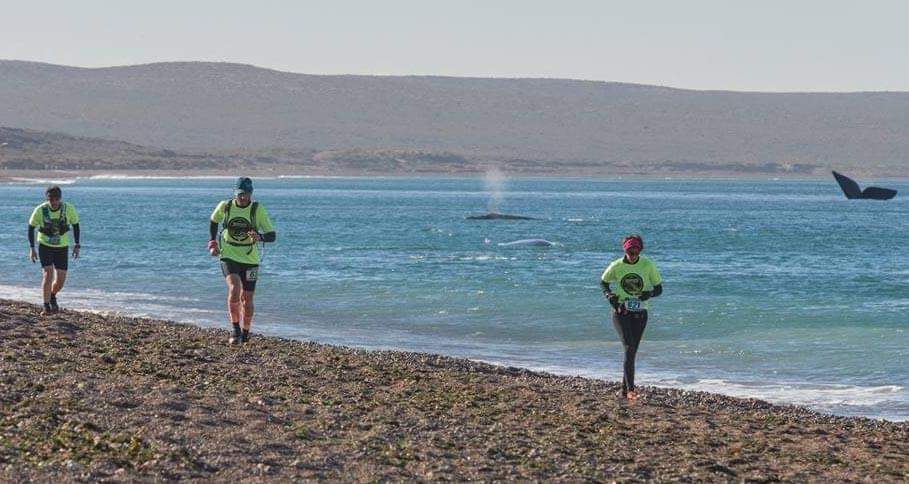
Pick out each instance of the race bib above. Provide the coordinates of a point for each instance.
(252, 274)
(633, 304)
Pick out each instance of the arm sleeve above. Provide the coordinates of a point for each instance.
(657, 290)
(31, 236)
(76, 233)
(607, 291)
(213, 230)
(269, 236)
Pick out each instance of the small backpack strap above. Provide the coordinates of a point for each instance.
(47, 226)
(64, 223)
(227, 212)
(252, 215)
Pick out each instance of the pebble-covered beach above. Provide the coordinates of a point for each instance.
(91, 397)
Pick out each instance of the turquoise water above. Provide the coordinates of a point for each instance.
(779, 290)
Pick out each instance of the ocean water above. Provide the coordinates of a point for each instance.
(781, 290)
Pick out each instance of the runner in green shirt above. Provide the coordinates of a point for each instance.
(53, 219)
(637, 281)
(245, 223)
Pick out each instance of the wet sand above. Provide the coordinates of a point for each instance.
(85, 396)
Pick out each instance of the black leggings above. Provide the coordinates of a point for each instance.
(630, 327)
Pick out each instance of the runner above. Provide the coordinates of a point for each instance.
(244, 223)
(53, 219)
(638, 280)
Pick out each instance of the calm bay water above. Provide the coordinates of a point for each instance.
(779, 290)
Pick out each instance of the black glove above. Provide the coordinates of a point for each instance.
(613, 300)
(645, 295)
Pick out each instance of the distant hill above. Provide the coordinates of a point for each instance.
(541, 124)
(31, 150)
(22, 149)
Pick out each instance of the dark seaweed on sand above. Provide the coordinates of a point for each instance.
(91, 397)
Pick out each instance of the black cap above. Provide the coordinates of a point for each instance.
(244, 185)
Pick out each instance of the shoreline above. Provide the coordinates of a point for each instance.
(567, 372)
(45, 176)
(88, 396)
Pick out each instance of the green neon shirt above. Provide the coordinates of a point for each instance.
(235, 243)
(631, 279)
(37, 221)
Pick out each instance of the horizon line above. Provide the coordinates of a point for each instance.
(437, 76)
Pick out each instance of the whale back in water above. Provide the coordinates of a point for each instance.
(498, 216)
(852, 190)
(528, 243)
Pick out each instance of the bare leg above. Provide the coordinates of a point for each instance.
(58, 281)
(233, 297)
(247, 299)
(47, 280)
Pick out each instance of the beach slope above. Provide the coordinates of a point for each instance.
(86, 396)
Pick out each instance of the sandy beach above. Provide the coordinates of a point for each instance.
(92, 397)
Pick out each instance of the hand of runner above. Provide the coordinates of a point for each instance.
(213, 247)
(76, 251)
(32, 255)
(254, 235)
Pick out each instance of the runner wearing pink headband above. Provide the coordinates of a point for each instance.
(638, 280)
(632, 242)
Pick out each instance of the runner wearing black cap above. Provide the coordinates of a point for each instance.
(244, 223)
(53, 219)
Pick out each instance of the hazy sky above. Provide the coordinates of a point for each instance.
(758, 46)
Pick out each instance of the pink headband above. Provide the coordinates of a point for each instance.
(631, 243)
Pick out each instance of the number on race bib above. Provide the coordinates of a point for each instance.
(633, 304)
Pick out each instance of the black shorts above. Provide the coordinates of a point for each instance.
(249, 273)
(54, 256)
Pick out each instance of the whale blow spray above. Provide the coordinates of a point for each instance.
(494, 180)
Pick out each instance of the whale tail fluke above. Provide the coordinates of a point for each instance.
(852, 190)
(877, 193)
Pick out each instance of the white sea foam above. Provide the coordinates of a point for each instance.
(136, 304)
(827, 397)
(305, 177)
(529, 243)
(40, 181)
(116, 176)
(818, 395)
(123, 176)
